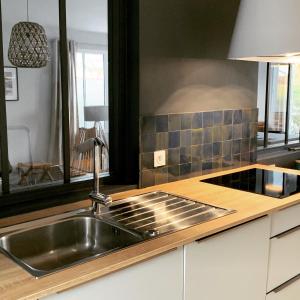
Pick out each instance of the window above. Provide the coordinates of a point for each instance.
(279, 108)
(82, 38)
(92, 78)
(90, 107)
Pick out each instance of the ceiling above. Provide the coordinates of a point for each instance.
(84, 15)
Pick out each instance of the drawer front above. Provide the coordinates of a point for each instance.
(284, 260)
(285, 219)
(289, 291)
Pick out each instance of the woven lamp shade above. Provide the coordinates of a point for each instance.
(28, 46)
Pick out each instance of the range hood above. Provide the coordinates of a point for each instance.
(267, 31)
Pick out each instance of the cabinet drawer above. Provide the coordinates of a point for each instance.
(289, 291)
(285, 219)
(284, 260)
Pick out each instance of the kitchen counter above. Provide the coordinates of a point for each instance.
(15, 283)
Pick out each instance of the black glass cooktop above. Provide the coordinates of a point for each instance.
(259, 181)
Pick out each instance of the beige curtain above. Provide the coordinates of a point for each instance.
(55, 155)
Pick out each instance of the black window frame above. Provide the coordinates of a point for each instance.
(123, 57)
(287, 142)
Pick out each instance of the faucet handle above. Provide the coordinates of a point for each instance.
(98, 200)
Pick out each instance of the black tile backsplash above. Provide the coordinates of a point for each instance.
(196, 143)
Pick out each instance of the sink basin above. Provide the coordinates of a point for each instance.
(81, 237)
(46, 249)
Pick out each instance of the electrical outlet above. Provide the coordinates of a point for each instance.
(159, 158)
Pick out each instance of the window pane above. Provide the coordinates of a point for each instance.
(87, 32)
(294, 124)
(261, 103)
(33, 102)
(277, 104)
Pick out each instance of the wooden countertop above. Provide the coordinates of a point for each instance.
(15, 283)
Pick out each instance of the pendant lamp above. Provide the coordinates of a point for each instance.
(28, 46)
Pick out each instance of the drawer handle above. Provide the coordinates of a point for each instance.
(286, 284)
(281, 235)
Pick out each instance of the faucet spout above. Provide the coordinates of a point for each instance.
(98, 199)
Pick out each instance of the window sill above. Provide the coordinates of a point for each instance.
(279, 156)
(55, 200)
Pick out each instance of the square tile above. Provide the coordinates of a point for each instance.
(197, 121)
(147, 160)
(246, 115)
(208, 120)
(173, 173)
(253, 156)
(197, 168)
(236, 158)
(217, 149)
(147, 178)
(236, 147)
(245, 145)
(162, 141)
(185, 138)
(147, 125)
(186, 121)
(196, 153)
(207, 135)
(161, 175)
(237, 116)
(185, 170)
(227, 161)
(161, 123)
(173, 156)
(237, 131)
(148, 142)
(207, 151)
(253, 130)
(174, 122)
(174, 139)
(227, 148)
(228, 114)
(218, 117)
(207, 165)
(253, 144)
(227, 132)
(196, 136)
(185, 155)
(245, 130)
(217, 134)
(245, 157)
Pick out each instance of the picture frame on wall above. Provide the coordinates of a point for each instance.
(11, 84)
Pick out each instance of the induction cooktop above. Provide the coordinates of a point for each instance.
(264, 182)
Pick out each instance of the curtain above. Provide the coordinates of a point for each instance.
(73, 99)
(55, 155)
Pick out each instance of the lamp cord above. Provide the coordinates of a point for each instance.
(27, 10)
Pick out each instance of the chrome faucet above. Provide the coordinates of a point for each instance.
(98, 199)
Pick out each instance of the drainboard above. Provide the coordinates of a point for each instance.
(158, 213)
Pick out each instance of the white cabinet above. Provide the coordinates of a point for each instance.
(155, 279)
(284, 261)
(231, 265)
(285, 219)
(288, 291)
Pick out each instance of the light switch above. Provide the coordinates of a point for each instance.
(159, 158)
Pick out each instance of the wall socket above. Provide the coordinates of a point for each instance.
(159, 158)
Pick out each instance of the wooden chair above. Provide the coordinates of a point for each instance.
(82, 163)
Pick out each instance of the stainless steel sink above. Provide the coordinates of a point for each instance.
(59, 244)
(49, 248)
